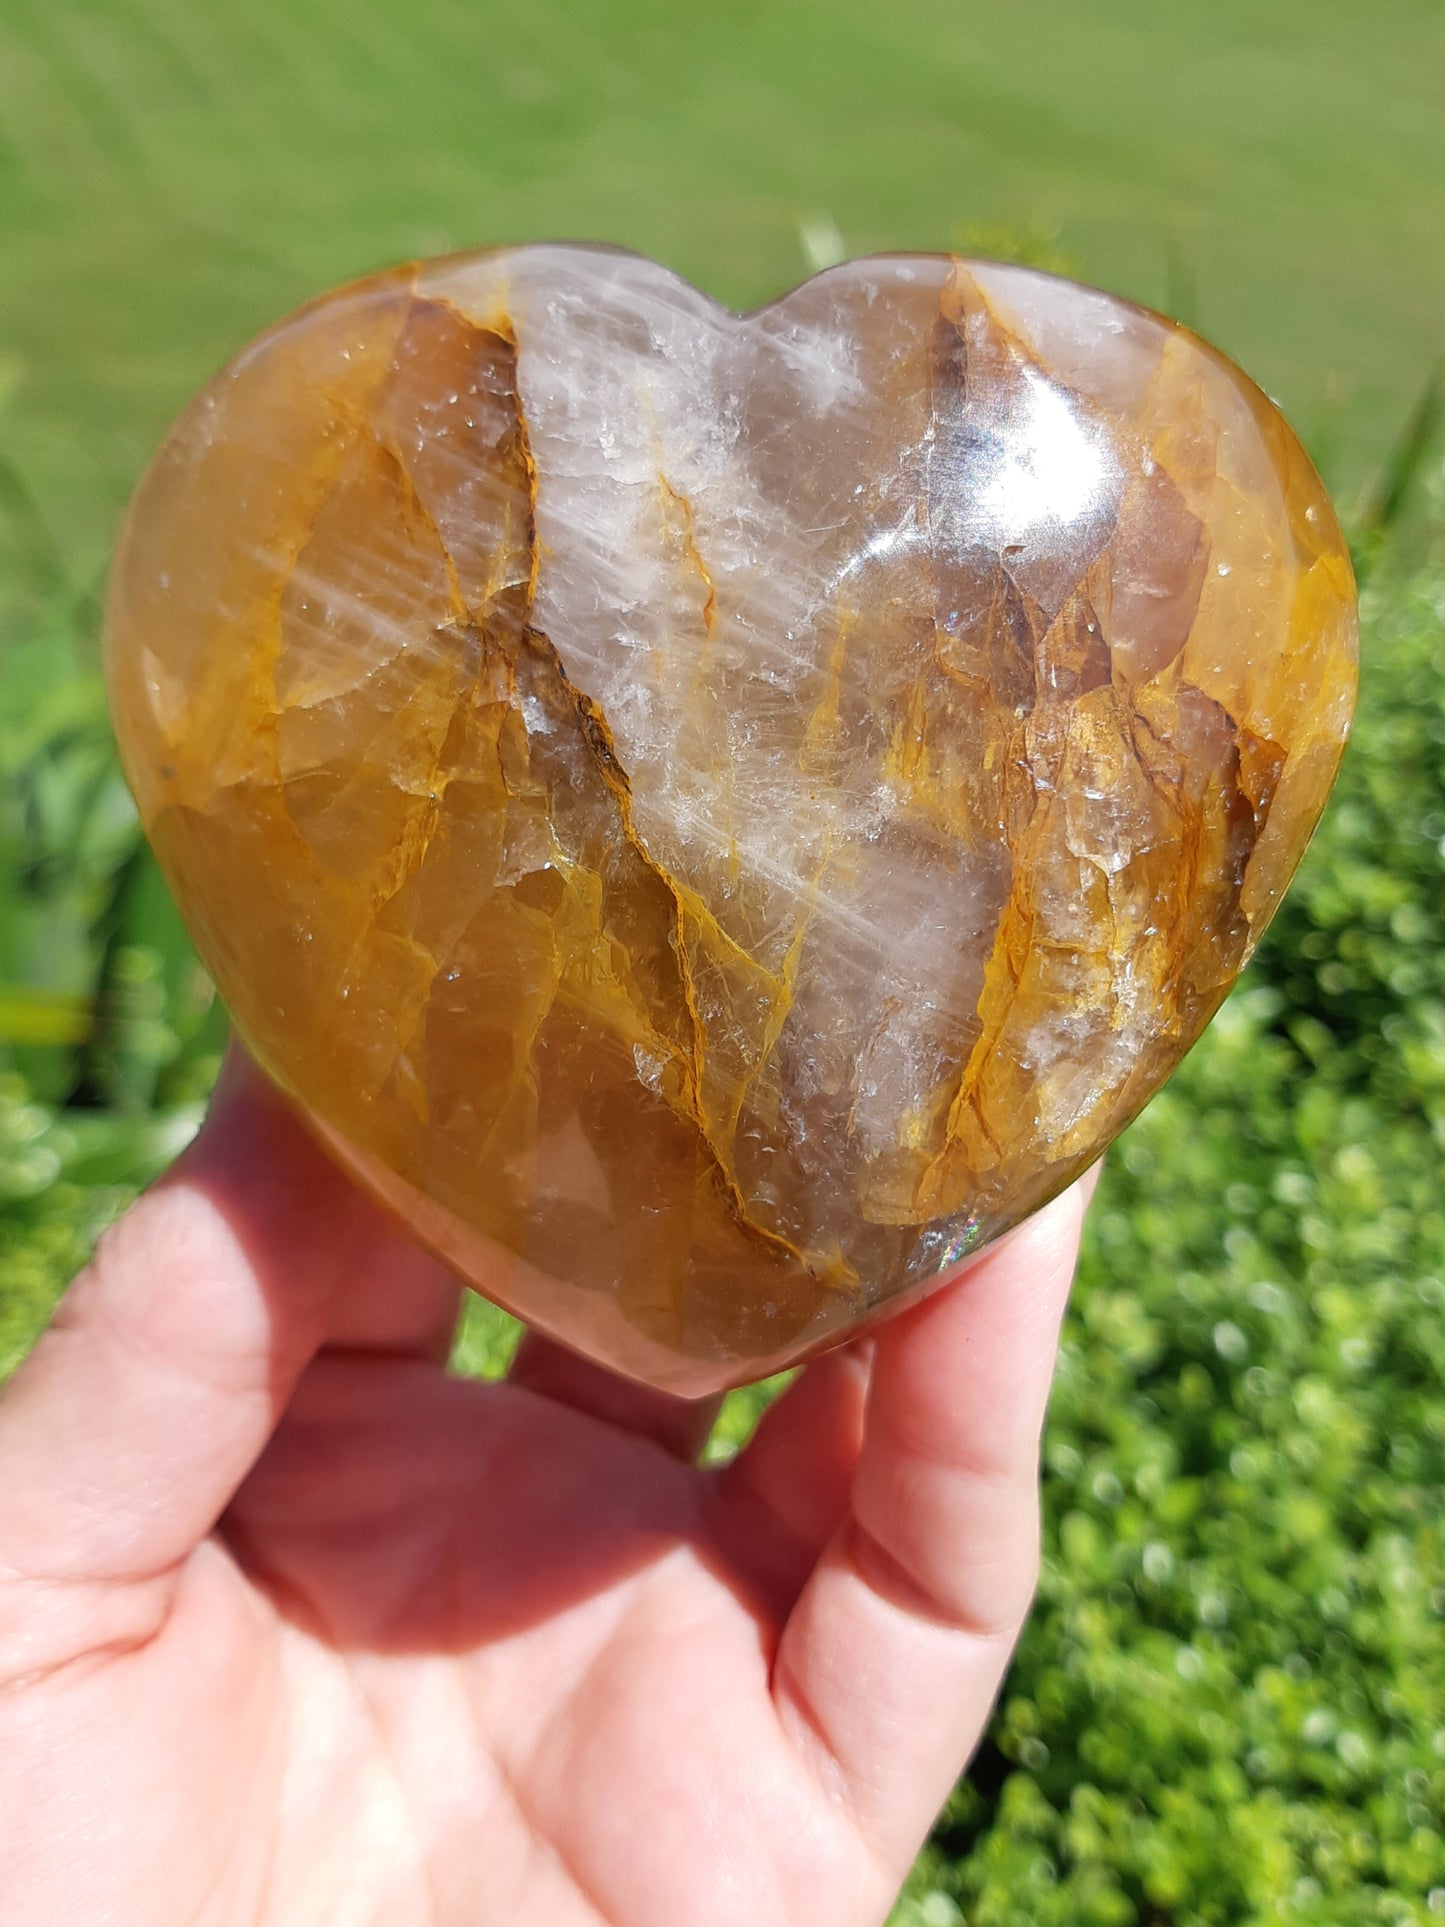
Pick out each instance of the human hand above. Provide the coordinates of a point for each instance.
(295, 1627)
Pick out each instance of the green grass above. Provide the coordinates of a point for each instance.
(1230, 1705)
(174, 173)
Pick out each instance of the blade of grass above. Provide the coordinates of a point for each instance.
(1383, 510)
(32, 1016)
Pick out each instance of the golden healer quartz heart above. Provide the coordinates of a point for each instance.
(714, 818)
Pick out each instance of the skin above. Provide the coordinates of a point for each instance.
(295, 1627)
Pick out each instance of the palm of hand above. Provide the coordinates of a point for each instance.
(509, 1648)
(457, 1652)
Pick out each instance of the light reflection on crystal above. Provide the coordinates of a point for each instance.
(1047, 468)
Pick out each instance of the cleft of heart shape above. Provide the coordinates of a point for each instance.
(713, 817)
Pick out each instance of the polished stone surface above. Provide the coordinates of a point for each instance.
(716, 817)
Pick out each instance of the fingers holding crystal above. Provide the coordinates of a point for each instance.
(894, 1653)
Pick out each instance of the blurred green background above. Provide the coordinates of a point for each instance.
(1230, 1706)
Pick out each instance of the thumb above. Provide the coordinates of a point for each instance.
(125, 1433)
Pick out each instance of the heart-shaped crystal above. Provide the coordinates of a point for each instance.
(716, 817)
